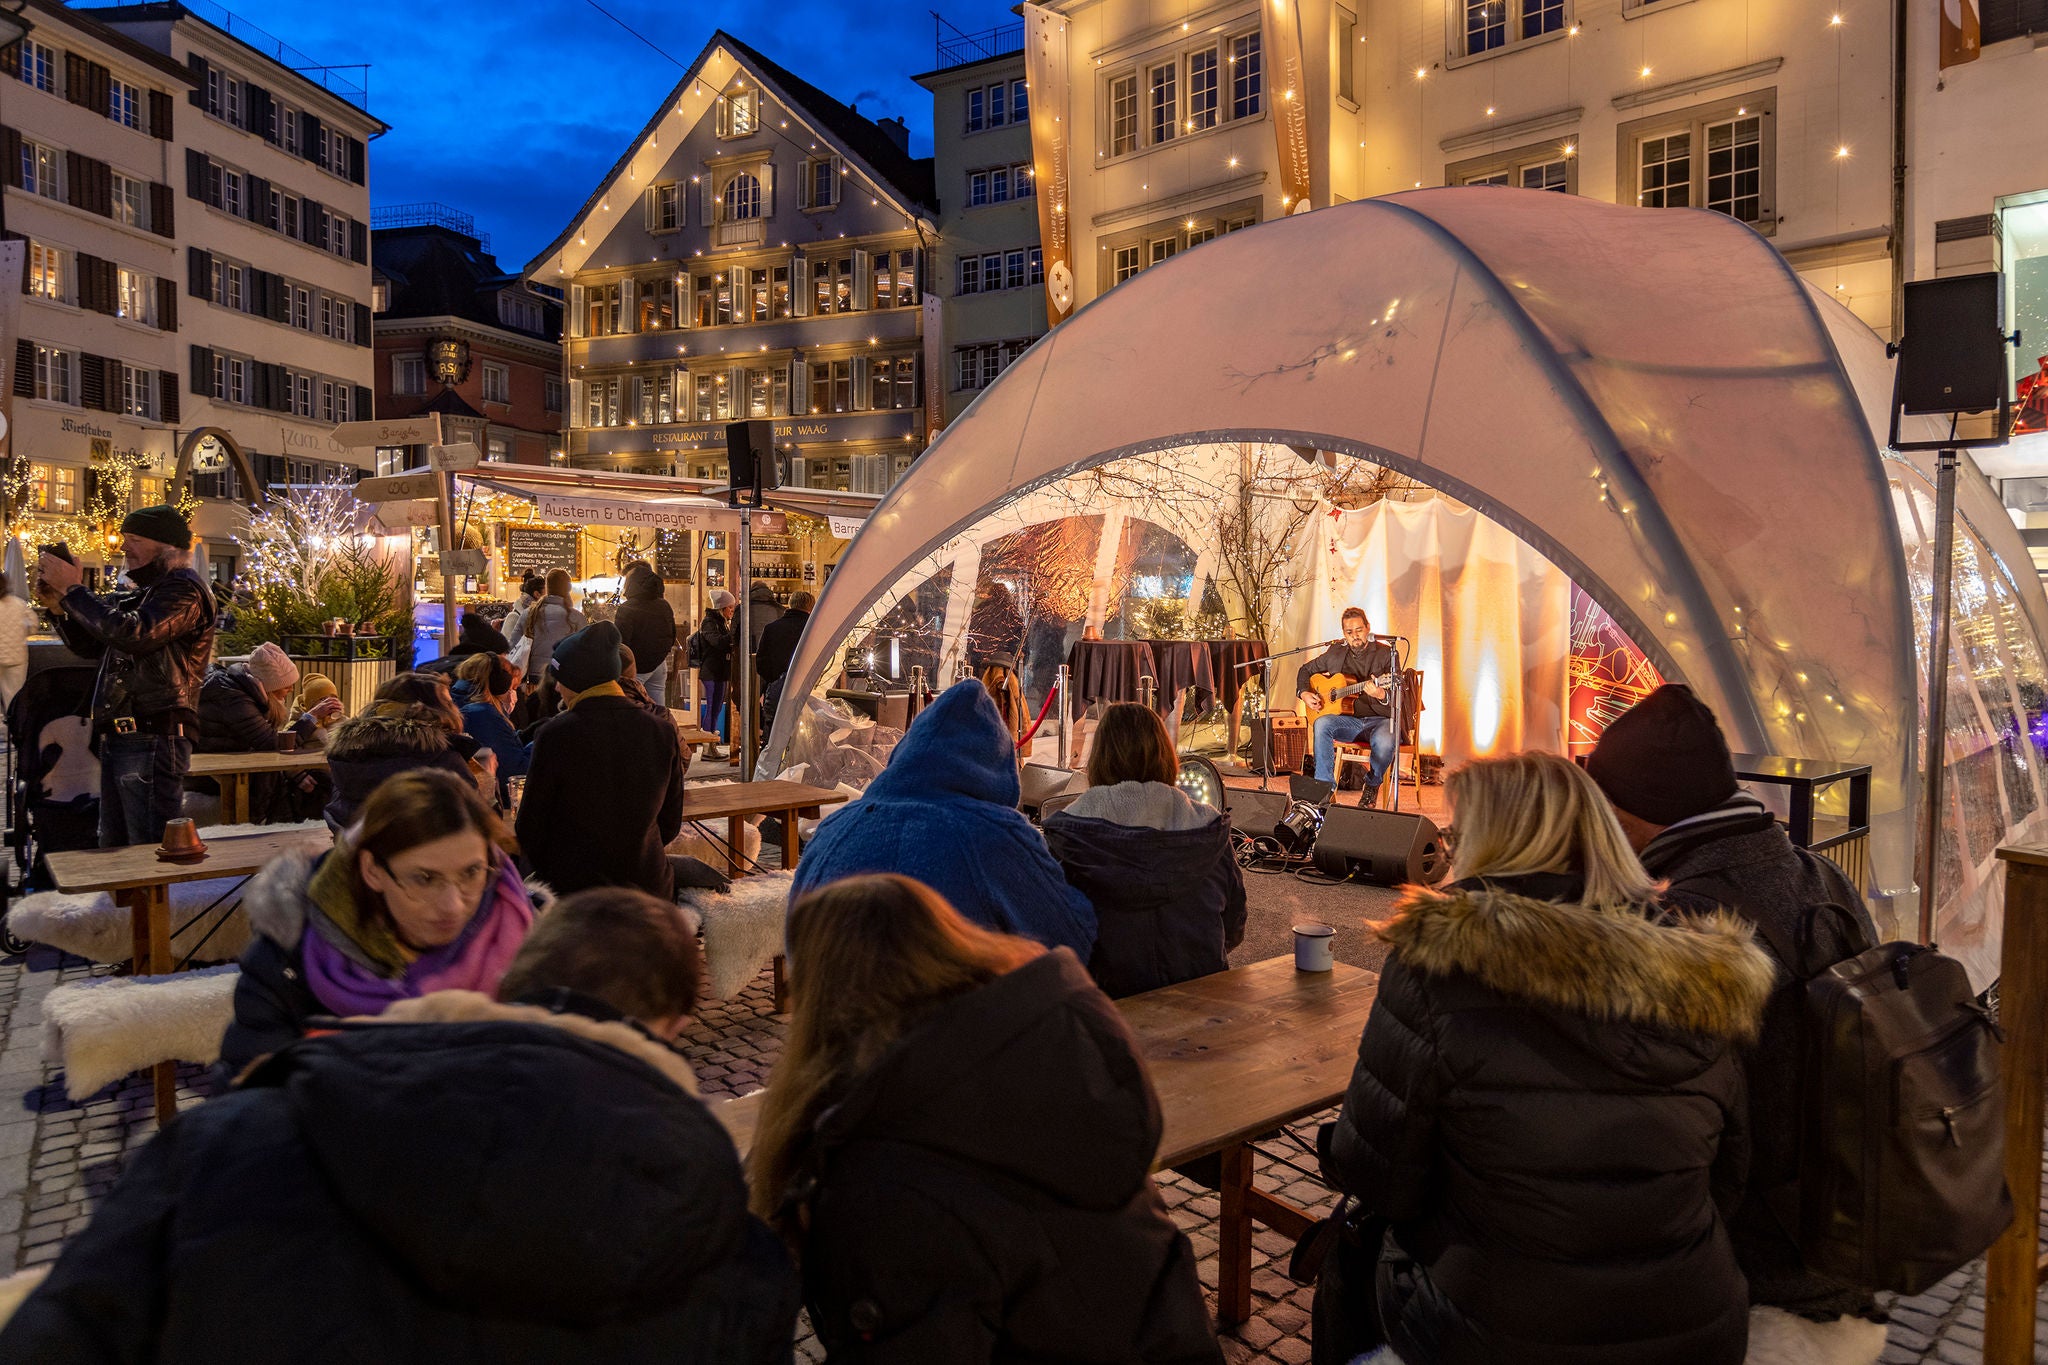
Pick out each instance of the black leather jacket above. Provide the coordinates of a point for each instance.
(152, 642)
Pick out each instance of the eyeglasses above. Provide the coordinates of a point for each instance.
(426, 881)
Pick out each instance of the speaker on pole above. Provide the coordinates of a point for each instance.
(1388, 847)
(1952, 347)
(750, 456)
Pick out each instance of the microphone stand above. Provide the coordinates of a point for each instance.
(1266, 681)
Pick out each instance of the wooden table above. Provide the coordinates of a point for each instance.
(136, 878)
(2015, 1268)
(233, 771)
(1232, 1056)
(734, 802)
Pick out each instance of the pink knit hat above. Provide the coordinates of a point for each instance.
(270, 667)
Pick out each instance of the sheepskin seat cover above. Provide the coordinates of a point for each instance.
(742, 929)
(106, 1028)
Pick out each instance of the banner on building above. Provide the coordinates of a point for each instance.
(1045, 74)
(936, 375)
(1961, 34)
(1287, 90)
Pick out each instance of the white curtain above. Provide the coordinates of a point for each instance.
(1488, 617)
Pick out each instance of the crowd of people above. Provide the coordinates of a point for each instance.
(460, 1128)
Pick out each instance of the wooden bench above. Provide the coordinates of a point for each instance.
(1232, 1056)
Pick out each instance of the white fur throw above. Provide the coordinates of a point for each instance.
(106, 1028)
(15, 1289)
(742, 929)
(697, 841)
(1780, 1338)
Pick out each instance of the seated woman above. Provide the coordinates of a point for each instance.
(420, 896)
(1547, 1104)
(411, 723)
(242, 709)
(957, 1140)
(945, 812)
(485, 691)
(1167, 890)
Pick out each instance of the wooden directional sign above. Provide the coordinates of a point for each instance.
(462, 562)
(409, 431)
(397, 487)
(447, 459)
(398, 514)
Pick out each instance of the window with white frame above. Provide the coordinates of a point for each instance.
(1124, 262)
(994, 106)
(134, 295)
(665, 207)
(49, 272)
(551, 393)
(334, 317)
(1162, 95)
(227, 283)
(287, 120)
(231, 192)
(1020, 102)
(38, 65)
(1123, 114)
(1717, 156)
(497, 383)
(520, 311)
(1486, 25)
(409, 375)
(53, 487)
(299, 387)
(124, 104)
(742, 198)
(42, 170)
(1491, 25)
(337, 233)
(822, 179)
(1551, 165)
(230, 378)
(1247, 76)
(129, 198)
(301, 307)
(1138, 249)
(138, 391)
(739, 113)
(1202, 107)
(53, 374)
(334, 400)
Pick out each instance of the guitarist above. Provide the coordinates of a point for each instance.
(1368, 713)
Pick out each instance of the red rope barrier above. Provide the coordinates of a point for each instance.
(1028, 734)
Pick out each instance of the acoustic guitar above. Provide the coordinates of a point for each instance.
(1334, 688)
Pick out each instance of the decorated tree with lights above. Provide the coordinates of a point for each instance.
(306, 559)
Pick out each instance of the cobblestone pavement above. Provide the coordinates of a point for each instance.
(57, 1159)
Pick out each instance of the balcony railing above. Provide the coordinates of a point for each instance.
(958, 49)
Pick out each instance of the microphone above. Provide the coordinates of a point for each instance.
(1390, 639)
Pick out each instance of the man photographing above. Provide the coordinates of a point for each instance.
(152, 644)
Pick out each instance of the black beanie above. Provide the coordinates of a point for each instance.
(589, 657)
(160, 522)
(1664, 760)
(479, 636)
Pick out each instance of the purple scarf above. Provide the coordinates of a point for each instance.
(475, 960)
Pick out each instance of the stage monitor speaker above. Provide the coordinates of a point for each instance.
(1952, 348)
(1384, 846)
(1253, 813)
(1289, 738)
(750, 454)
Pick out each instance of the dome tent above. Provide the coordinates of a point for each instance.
(1651, 399)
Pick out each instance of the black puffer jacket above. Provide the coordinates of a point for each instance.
(476, 1182)
(715, 659)
(1751, 867)
(153, 642)
(1168, 893)
(983, 1193)
(1548, 1107)
(234, 714)
(387, 739)
(646, 622)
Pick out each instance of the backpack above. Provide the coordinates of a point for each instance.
(1902, 1134)
(695, 658)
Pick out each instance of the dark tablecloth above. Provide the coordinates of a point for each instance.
(1106, 670)
(1224, 656)
(1183, 664)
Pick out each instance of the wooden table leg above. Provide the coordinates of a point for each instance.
(789, 818)
(149, 909)
(2013, 1268)
(1234, 1239)
(781, 986)
(736, 844)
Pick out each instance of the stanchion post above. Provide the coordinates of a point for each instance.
(743, 648)
(1934, 758)
(1060, 681)
(2014, 1268)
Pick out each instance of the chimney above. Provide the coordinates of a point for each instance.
(897, 132)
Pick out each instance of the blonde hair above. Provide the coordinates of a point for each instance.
(1537, 812)
(868, 957)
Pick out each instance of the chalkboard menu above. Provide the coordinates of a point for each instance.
(537, 549)
(672, 556)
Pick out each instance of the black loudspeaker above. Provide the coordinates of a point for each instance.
(1384, 846)
(1952, 348)
(750, 454)
(1253, 813)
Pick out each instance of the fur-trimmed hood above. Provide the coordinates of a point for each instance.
(470, 1007)
(387, 732)
(1701, 975)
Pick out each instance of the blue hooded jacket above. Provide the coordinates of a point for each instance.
(945, 813)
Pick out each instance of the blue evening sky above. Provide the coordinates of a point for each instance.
(511, 109)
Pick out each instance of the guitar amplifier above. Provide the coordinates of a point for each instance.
(1288, 733)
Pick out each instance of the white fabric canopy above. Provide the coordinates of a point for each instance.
(1650, 399)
